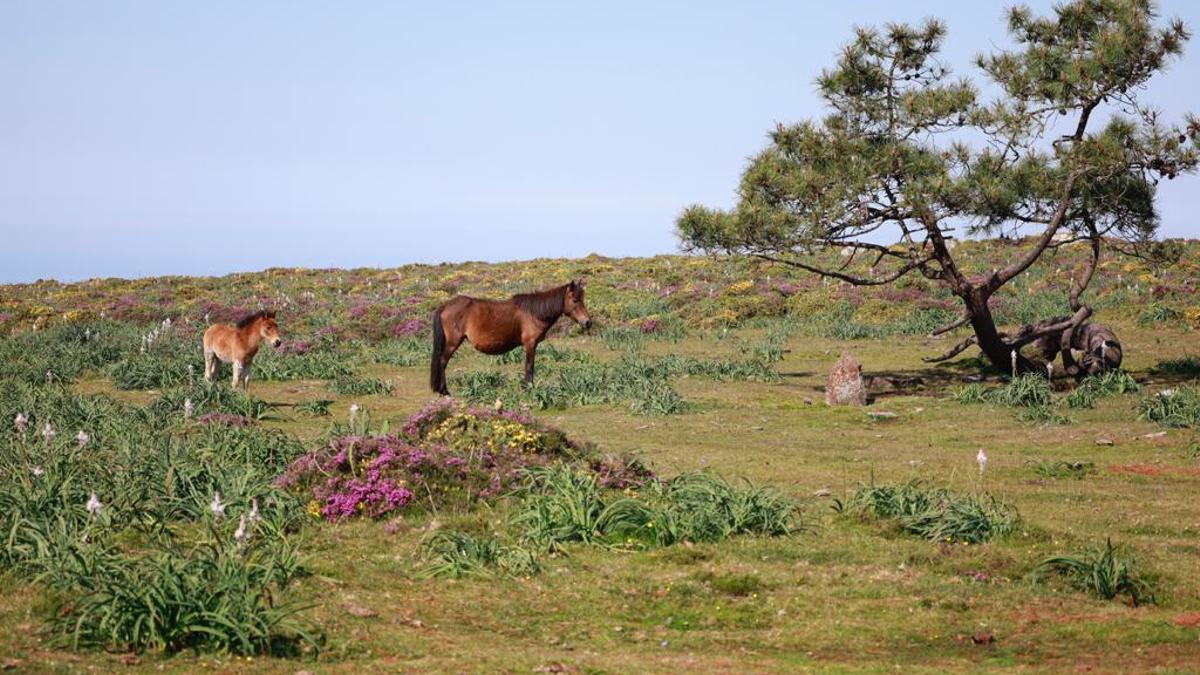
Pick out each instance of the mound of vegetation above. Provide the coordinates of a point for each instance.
(448, 456)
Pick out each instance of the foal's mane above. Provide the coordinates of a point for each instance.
(543, 304)
(251, 318)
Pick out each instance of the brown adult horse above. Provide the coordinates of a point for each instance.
(238, 345)
(497, 326)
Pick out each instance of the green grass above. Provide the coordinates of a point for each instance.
(836, 593)
(1105, 572)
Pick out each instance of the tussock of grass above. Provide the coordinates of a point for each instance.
(454, 554)
(936, 513)
(1172, 407)
(1062, 469)
(560, 505)
(1106, 572)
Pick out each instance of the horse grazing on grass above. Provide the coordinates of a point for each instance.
(238, 345)
(1101, 352)
(497, 326)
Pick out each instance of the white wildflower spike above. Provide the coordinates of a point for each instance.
(82, 438)
(21, 420)
(1167, 393)
(187, 408)
(982, 459)
(240, 533)
(48, 432)
(38, 472)
(254, 516)
(354, 413)
(1014, 362)
(217, 508)
(93, 504)
(1050, 370)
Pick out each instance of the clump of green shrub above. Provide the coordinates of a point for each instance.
(937, 513)
(454, 554)
(560, 505)
(1106, 572)
(219, 596)
(1062, 469)
(1172, 407)
(1187, 367)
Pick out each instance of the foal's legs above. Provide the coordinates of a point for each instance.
(246, 367)
(237, 373)
(210, 365)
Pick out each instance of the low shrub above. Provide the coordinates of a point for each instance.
(1172, 407)
(560, 505)
(1105, 572)
(1062, 469)
(936, 513)
(449, 553)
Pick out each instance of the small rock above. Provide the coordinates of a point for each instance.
(1104, 441)
(808, 401)
(845, 385)
(823, 492)
(881, 414)
(1157, 434)
(130, 659)
(11, 664)
(359, 610)
(983, 638)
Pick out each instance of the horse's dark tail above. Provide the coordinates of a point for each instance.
(437, 374)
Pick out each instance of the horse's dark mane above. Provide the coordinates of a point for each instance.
(251, 318)
(547, 304)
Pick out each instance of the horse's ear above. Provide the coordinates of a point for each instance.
(270, 313)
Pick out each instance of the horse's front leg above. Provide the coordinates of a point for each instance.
(237, 373)
(530, 351)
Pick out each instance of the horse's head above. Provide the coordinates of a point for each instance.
(573, 305)
(268, 329)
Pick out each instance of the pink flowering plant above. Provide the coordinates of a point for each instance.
(448, 455)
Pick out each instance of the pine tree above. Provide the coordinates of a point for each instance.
(1064, 153)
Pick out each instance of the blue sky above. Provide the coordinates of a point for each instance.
(141, 138)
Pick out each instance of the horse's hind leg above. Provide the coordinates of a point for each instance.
(237, 374)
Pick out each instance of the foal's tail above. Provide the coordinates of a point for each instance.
(437, 373)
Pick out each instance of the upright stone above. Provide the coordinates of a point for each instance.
(845, 386)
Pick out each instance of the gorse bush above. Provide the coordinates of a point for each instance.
(1172, 407)
(1105, 572)
(560, 505)
(936, 513)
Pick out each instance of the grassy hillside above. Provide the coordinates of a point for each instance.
(672, 494)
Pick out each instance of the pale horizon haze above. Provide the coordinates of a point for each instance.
(149, 138)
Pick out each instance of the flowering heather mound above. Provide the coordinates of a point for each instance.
(449, 455)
